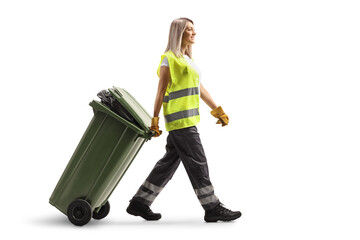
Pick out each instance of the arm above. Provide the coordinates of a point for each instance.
(163, 82)
(217, 111)
(205, 96)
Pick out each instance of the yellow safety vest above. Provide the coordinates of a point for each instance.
(181, 100)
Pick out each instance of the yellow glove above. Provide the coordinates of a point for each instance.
(155, 126)
(219, 113)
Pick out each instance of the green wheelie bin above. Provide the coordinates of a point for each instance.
(104, 153)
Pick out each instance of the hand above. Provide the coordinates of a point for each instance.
(220, 114)
(155, 126)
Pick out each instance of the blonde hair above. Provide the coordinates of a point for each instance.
(177, 29)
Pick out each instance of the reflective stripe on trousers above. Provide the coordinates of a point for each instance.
(148, 192)
(182, 145)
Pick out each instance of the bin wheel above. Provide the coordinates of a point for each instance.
(79, 212)
(103, 212)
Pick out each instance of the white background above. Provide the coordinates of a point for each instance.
(286, 73)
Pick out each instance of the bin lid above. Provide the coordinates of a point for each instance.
(132, 106)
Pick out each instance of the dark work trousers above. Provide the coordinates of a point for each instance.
(182, 145)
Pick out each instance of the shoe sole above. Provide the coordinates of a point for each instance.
(139, 214)
(227, 219)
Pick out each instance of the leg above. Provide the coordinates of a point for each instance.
(188, 146)
(159, 176)
(187, 143)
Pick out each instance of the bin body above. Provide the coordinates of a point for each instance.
(103, 155)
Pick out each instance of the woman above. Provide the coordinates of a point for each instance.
(178, 93)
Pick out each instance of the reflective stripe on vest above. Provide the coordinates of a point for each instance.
(181, 115)
(181, 93)
(181, 100)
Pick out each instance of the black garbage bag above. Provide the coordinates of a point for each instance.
(114, 105)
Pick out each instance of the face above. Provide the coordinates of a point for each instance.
(189, 34)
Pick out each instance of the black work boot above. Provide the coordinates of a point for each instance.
(137, 208)
(220, 213)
